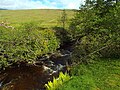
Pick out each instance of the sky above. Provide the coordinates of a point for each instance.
(41, 4)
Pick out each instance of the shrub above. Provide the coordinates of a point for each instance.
(25, 44)
(96, 29)
(62, 34)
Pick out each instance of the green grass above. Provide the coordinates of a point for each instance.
(45, 17)
(100, 75)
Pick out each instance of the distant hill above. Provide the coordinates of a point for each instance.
(45, 17)
(2, 9)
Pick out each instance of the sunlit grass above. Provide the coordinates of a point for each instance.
(103, 74)
(46, 17)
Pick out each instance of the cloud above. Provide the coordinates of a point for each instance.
(40, 4)
(72, 4)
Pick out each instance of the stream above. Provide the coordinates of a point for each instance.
(24, 76)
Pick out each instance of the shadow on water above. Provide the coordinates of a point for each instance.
(23, 78)
(33, 77)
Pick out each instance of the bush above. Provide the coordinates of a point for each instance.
(113, 51)
(62, 34)
(96, 29)
(25, 44)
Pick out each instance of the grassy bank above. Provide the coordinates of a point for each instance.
(103, 74)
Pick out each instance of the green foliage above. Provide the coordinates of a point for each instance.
(57, 82)
(62, 34)
(95, 26)
(25, 43)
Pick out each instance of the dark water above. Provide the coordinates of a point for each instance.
(32, 77)
(24, 78)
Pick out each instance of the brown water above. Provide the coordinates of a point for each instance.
(24, 77)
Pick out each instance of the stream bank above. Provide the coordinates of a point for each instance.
(25, 76)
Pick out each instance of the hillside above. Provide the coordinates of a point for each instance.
(46, 17)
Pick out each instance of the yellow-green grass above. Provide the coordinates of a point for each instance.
(45, 17)
(103, 74)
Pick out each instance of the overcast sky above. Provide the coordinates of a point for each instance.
(41, 4)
